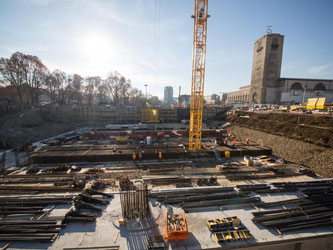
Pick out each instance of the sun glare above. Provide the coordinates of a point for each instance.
(97, 51)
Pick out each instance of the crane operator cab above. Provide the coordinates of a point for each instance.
(201, 13)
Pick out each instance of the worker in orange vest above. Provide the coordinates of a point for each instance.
(140, 156)
(226, 140)
(134, 157)
(247, 140)
(235, 142)
(159, 156)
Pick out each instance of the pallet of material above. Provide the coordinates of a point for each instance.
(221, 223)
(176, 227)
(234, 235)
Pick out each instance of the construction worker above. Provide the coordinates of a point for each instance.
(226, 140)
(140, 156)
(235, 142)
(247, 140)
(134, 157)
(159, 156)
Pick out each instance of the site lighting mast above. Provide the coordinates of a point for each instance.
(146, 85)
(198, 72)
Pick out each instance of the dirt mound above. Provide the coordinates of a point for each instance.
(309, 128)
(26, 119)
(30, 126)
(319, 159)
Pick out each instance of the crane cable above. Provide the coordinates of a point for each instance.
(156, 39)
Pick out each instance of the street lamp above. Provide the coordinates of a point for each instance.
(146, 90)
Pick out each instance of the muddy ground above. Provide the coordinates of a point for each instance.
(317, 158)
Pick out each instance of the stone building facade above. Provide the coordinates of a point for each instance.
(239, 96)
(267, 87)
(293, 90)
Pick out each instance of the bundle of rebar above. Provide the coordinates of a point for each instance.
(225, 203)
(315, 210)
(315, 199)
(160, 195)
(202, 197)
(29, 230)
(135, 203)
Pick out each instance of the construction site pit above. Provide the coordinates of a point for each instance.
(141, 187)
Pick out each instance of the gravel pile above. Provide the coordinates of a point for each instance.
(317, 158)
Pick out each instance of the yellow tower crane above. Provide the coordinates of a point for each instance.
(198, 72)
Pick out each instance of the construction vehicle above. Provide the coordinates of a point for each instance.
(198, 72)
(298, 109)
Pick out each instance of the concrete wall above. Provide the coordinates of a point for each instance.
(119, 114)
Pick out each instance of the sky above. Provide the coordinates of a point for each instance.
(150, 41)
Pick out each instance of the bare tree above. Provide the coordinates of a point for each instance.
(93, 82)
(137, 98)
(102, 92)
(12, 71)
(75, 88)
(118, 87)
(61, 82)
(154, 101)
(29, 76)
(52, 86)
(35, 76)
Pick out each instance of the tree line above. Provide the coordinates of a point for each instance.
(30, 78)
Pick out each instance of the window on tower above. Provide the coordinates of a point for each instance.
(275, 44)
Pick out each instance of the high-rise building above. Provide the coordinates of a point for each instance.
(168, 95)
(266, 69)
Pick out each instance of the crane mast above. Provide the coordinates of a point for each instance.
(198, 72)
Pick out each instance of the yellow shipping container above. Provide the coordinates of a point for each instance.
(316, 103)
(311, 104)
(149, 115)
(321, 103)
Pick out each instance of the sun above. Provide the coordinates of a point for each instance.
(96, 50)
